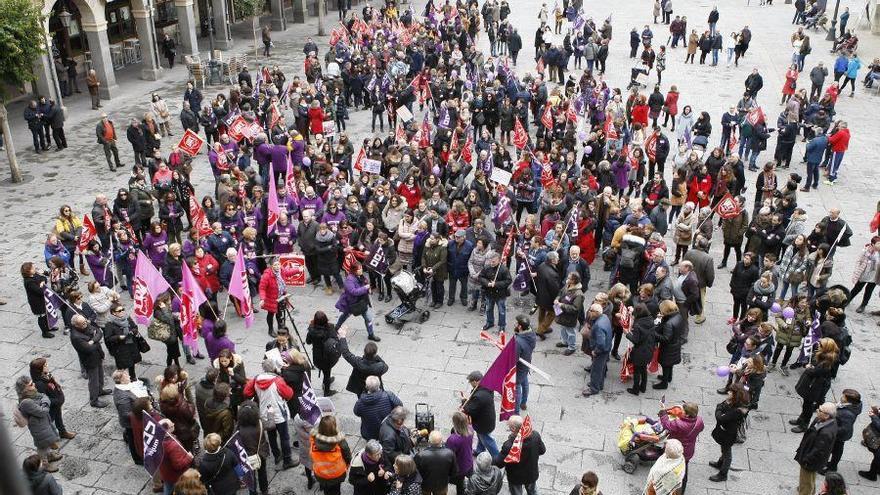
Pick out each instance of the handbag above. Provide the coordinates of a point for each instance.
(143, 345)
(732, 345)
(255, 462)
(158, 330)
(359, 306)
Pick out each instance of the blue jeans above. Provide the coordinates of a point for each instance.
(167, 488)
(753, 158)
(730, 55)
(836, 160)
(812, 175)
(485, 442)
(744, 147)
(569, 337)
(715, 56)
(785, 286)
(463, 291)
(368, 319)
(530, 489)
(522, 390)
(491, 303)
(597, 371)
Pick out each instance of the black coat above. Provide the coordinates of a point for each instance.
(742, 279)
(728, 419)
(34, 293)
(437, 466)
(846, 418)
(643, 339)
(218, 472)
(358, 473)
(361, 368)
(90, 355)
(815, 447)
(814, 383)
(122, 343)
(481, 409)
(547, 284)
(669, 334)
(394, 442)
(526, 471)
(317, 337)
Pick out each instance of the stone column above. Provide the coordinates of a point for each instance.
(875, 21)
(102, 62)
(151, 65)
(45, 85)
(222, 33)
(279, 23)
(299, 11)
(186, 24)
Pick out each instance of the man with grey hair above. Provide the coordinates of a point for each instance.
(394, 436)
(704, 269)
(815, 447)
(523, 475)
(495, 281)
(272, 393)
(367, 473)
(547, 285)
(686, 289)
(86, 340)
(436, 465)
(373, 406)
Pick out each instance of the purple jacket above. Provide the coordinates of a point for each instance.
(234, 224)
(213, 345)
(298, 151)
(279, 158)
(156, 247)
(288, 205)
(263, 154)
(464, 456)
(102, 273)
(621, 173)
(283, 238)
(331, 219)
(316, 203)
(353, 289)
(685, 430)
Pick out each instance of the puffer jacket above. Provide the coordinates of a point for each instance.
(322, 443)
(273, 394)
(791, 333)
(372, 408)
(218, 471)
(36, 410)
(435, 257)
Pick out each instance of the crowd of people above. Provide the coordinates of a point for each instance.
(471, 146)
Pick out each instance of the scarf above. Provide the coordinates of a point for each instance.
(588, 491)
(282, 287)
(666, 475)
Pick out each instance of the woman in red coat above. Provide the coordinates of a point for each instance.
(640, 112)
(411, 192)
(699, 188)
(316, 118)
(205, 268)
(790, 85)
(175, 460)
(670, 106)
(271, 288)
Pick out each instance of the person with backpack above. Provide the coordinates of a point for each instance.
(272, 394)
(330, 455)
(326, 351)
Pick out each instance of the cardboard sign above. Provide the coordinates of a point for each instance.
(501, 176)
(329, 129)
(372, 166)
(404, 114)
(237, 128)
(293, 270)
(190, 143)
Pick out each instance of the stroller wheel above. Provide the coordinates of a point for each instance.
(389, 319)
(398, 325)
(629, 466)
(424, 317)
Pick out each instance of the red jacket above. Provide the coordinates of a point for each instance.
(839, 141)
(695, 186)
(640, 115)
(269, 291)
(264, 381)
(316, 120)
(411, 194)
(175, 460)
(671, 103)
(205, 270)
(457, 221)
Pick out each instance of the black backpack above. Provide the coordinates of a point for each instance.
(331, 349)
(845, 351)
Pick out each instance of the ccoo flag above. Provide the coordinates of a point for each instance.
(240, 290)
(153, 436)
(148, 285)
(501, 377)
(191, 297)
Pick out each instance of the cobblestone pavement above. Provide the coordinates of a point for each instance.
(428, 362)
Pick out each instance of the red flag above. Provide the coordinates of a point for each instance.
(651, 146)
(547, 179)
(755, 116)
(274, 116)
(520, 136)
(293, 269)
(728, 207)
(501, 377)
(191, 297)
(467, 151)
(515, 453)
(148, 285)
(240, 290)
(88, 233)
(732, 143)
(547, 117)
(610, 129)
(425, 141)
(359, 161)
(571, 114)
(273, 211)
(540, 67)
(453, 143)
(399, 132)
(190, 143)
(236, 128)
(198, 218)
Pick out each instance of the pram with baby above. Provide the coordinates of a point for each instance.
(640, 440)
(410, 291)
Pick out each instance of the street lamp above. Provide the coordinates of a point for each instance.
(832, 31)
(64, 16)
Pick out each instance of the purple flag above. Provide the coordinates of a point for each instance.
(242, 468)
(154, 435)
(501, 377)
(149, 284)
(571, 229)
(443, 120)
(308, 403)
(521, 282)
(579, 22)
(810, 340)
(376, 260)
(53, 303)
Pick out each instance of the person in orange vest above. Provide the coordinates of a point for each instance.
(330, 455)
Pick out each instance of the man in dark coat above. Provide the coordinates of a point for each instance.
(436, 465)
(188, 118)
(457, 266)
(480, 407)
(514, 44)
(495, 280)
(704, 270)
(373, 406)
(849, 408)
(525, 346)
(307, 233)
(522, 475)
(394, 436)
(370, 364)
(687, 294)
(86, 340)
(815, 447)
(34, 120)
(55, 119)
(547, 286)
(754, 83)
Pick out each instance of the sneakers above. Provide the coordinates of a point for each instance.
(868, 475)
(828, 182)
(568, 352)
(374, 338)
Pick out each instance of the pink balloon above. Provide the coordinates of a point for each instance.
(436, 170)
(722, 371)
(588, 150)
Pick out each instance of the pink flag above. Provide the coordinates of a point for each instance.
(273, 210)
(148, 285)
(239, 289)
(191, 297)
(501, 377)
(290, 180)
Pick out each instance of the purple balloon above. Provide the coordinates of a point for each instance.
(776, 308)
(582, 135)
(788, 313)
(722, 371)
(436, 170)
(307, 162)
(588, 150)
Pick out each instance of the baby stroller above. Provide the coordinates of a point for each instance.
(410, 291)
(640, 440)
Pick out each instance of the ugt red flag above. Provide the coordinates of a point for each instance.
(755, 115)
(547, 117)
(88, 233)
(425, 141)
(547, 179)
(610, 129)
(359, 161)
(199, 219)
(467, 151)
(191, 297)
(273, 211)
(190, 143)
(728, 207)
(651, 146)
(240, 290)
(148, 285)
(501, 377)
(525, 431)
(520, 136)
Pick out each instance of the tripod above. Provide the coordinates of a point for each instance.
(284, 305)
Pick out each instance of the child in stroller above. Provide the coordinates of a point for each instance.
(640, 440)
